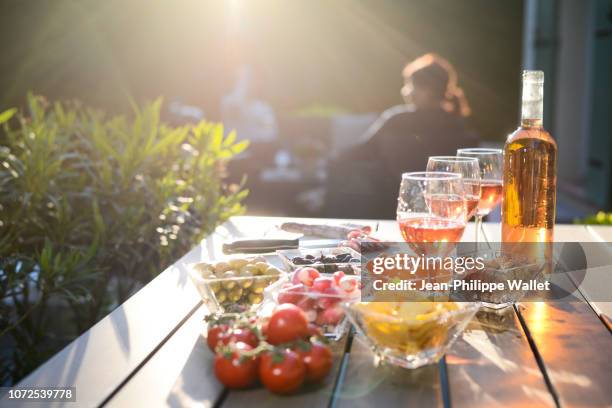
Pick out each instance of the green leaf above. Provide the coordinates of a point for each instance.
(7, 115)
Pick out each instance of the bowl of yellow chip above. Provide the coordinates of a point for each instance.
(410, 334)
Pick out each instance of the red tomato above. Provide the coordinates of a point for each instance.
(264, 329)
(235, 370)
(318, 360)
(214, 335)
(287, 323)
(314, 330)
(244, 335)
(282, 372)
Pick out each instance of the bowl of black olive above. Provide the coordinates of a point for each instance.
(325, 260)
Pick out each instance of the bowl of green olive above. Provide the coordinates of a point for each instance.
(235, 284)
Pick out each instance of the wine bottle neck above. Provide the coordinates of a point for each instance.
(531, 123)
(532, 108)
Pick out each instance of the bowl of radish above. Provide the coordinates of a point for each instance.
(320, 296)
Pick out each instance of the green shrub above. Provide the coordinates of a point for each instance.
(91, 208)
(601, 218)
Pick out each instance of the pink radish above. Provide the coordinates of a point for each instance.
(290, 294)
(348, 284)
(305, 275)
(330, 316)
(337, 276)
(322, 282)
(329, 297)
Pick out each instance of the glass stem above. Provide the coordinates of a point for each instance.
(480, 230)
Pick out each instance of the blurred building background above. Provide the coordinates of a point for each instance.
(572, 42)
(322, 72)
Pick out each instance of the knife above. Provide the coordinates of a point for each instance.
(259, 246)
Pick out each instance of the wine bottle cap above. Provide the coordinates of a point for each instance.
(533, 97)
(533, 76)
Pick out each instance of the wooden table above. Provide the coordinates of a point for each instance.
(150, 351)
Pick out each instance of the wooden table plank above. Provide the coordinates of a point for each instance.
(572, 341)
(597, 286)
(180, 374)
(366, 385)
(492, 365)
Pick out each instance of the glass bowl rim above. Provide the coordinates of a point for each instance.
(468, 309)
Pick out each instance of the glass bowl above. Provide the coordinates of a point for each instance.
(500, 267)
(240, 290)
(410, 334)
(322, 309)
(349, 266)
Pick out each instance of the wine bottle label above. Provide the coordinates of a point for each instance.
(533, 96)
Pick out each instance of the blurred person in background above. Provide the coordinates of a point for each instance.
(244, 110)
(431, 122)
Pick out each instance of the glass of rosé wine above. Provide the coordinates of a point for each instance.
(469, 169)
(491, 163)
(431, 210)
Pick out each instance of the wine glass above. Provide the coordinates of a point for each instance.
(431, 209)
(491, 163)
(469, 169)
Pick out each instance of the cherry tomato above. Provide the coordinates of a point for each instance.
(318, 360)
(282, 372)
(235, 370)
(287, 323)
(264, 329)
(236, 335)
(214, 335)
(314, 330)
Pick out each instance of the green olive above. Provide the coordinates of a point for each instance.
(255, 298)
(235, 294)
(272, 271)
(252, 269)
(221, 267)
(261, 267)
(228, 281)
(203, 266)
(237, 263)
(246, 283)
(213, 282)
(259, 285)
(221, 296)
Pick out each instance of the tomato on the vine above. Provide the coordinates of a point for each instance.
(240, 334)
(287, 323)
(282, 372)
(215, 334)
(234, 369)
(318, 360)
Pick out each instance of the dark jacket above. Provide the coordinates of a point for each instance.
(401, 140)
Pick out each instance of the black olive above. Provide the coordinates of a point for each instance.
(300, 261)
